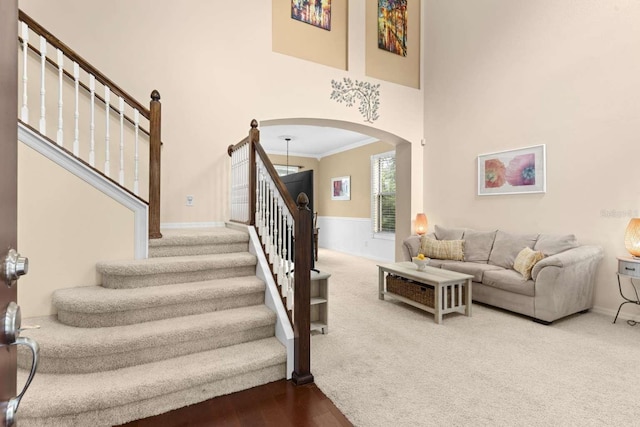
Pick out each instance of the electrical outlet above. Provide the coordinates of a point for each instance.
(189, 200)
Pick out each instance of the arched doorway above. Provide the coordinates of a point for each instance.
(403, 160)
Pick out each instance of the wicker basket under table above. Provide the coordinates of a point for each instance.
(419, 292)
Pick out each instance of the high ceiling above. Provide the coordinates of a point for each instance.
(310, 141)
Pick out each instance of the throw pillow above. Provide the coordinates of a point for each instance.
(507, 246)
(525, 261)
(443, 249)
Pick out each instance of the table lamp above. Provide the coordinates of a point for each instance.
(421, 225)
(632, 237)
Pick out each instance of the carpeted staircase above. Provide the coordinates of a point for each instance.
(181, 327)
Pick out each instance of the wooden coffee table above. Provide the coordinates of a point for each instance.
(444, 282)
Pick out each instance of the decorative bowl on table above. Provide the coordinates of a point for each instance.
(420, 262)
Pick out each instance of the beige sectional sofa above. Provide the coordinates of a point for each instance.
(561, 283)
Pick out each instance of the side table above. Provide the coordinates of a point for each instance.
(628, 267)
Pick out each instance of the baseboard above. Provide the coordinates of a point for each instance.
(612, 313)
(177, 225)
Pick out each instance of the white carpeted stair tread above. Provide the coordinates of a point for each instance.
(179, 264)
(97, 299)
(59, 340)
(53, 395)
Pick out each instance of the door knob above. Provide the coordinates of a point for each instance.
(9, 408)
(13, 267)
(11, 322)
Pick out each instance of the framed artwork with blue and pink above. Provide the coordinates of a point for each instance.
(518, 171)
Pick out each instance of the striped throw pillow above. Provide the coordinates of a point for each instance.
(443, 249)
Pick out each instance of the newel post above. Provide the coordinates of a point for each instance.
(302, 294)
(254, 137)
(154, 165)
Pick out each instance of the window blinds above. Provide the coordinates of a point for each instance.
(383, 192)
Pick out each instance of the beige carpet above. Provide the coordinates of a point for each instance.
(385, 363)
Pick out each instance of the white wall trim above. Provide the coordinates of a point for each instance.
(178, 225)
(612, 313)
(366, 141)
(284, 331)
(354, 236)
(139, 208)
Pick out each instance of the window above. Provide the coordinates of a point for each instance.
(383, 192)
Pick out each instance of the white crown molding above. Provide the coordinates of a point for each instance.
(363, 142)
(54, 153)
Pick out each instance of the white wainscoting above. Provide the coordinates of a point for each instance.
(354, 236)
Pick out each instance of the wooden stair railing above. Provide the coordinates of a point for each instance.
(260, 199)
(122, 118)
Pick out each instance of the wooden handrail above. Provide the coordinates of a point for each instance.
(83, 63)
(85, 87)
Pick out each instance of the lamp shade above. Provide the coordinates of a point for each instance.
(632, 237)
(421, 224)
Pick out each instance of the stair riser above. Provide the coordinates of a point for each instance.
(138, 409)
(159, 279)
(184, 250)
(100, 320)
(106, 362)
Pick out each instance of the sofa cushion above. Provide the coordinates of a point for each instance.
(473, 268)
(509, 280)
(507, 246)
(443, 249)
(448, 233)
(525, 261)
(551, 244)
(477, 245)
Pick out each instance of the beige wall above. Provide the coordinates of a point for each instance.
(211, 87)
(355, 163)
(503, 74)
(305, 41)
(404, 70)
(64, 227)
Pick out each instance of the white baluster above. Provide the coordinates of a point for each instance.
(24, 111)
(92, 124)
(43, 62)
(76, 114)
(257, 218)
(107, 139)
(136, 127)
(121, 110)
(276, 237)
(60, 134)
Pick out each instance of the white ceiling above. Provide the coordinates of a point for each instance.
(310, 141)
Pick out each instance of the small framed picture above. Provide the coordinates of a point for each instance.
(513, 172)
(341, 188)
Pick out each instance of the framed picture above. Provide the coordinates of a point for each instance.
(314, 12)
(341, 188)
(513, 172)
(392, 26)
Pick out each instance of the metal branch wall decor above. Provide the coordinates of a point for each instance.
(367, 93)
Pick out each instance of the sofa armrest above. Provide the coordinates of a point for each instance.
(565, 282)
(410, 247)
(581, 254)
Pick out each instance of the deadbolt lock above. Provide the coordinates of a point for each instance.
(13, 267)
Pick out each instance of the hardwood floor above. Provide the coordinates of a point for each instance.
(278, 403)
